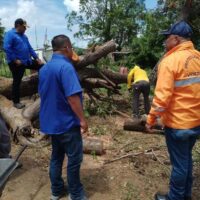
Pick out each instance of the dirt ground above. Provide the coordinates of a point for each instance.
(137, 177)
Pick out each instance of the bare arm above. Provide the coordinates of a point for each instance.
(76, 106)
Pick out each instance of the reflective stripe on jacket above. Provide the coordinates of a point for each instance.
(135, 75)
(177, 93)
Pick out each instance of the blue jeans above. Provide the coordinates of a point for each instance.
(180, 143)
(69, 143)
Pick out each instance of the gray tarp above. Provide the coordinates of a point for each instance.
(5, 144)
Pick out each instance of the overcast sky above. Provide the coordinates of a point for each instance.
(41, 15)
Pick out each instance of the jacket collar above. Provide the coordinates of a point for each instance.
(183, 46)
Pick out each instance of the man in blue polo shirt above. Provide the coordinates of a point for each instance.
(61, 117)
(20, 55)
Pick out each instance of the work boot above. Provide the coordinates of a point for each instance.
(19, 105)
(160, 197)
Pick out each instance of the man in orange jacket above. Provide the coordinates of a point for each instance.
(177, 102)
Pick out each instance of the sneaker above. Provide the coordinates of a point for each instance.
(84, 198)
(160, 197)
(56, 197)
(64, 192)
(19, 105)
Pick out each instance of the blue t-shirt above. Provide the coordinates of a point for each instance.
(57, 81)
(17, 46)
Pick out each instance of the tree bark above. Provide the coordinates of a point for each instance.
(29, 86)
(32, 111)
(21, 128)
(93, 57)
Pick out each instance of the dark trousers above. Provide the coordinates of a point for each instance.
(138, 88)
(17, 74)
(180, 143)
(70, 144)
(5, 143)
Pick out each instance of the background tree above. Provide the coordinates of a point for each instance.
(103, 20)
(188, 10)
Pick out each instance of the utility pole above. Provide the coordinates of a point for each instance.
(36, 40)
(46, 42)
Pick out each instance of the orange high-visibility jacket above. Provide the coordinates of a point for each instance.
(135, 75)
(177, 93)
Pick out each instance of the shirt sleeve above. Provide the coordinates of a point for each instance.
(163, 93)
(8, 47)
(70, 81)
(32, 52)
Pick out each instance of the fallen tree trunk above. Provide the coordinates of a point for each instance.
(29, 83)
(29, 86)
(93, 57)
(32, 111)
(21, 128)
(24, 133)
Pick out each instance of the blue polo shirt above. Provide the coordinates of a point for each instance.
(57, 81)
(17, 46)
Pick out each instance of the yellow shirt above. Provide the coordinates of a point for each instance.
(177, 93)
(135, 75)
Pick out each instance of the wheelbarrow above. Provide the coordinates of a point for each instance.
(7, 167)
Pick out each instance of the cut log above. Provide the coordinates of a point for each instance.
(139, 126)
(93, 146)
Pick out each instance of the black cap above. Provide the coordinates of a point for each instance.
(20, 21)
(180, 28)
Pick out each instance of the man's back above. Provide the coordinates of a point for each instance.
(57, 81)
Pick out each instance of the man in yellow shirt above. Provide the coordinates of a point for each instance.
(177, 102)
(138, 81)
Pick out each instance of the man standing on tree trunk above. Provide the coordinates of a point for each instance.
(177, 101)
(19, 55)
(61, 117)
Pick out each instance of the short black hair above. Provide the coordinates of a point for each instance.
(19, 21)
(59, 41)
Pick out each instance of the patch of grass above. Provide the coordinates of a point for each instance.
(99, 130)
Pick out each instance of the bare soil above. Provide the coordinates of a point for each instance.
(136, 177)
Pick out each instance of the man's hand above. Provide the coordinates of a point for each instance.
(148, 128)
(84, 126)
(39, 61)
(18, 62)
